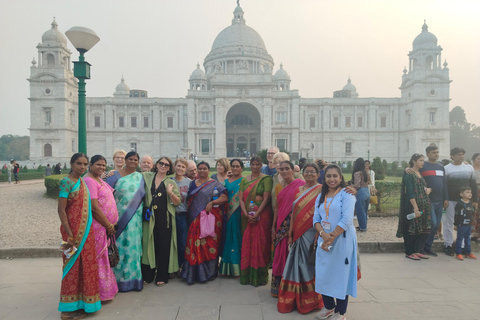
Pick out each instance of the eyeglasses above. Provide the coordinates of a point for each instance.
(310, 172)
(163, 164)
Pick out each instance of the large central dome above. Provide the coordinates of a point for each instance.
(238, 40)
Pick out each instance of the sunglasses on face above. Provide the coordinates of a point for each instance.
(163, 164)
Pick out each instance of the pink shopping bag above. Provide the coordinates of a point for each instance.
(207, 224)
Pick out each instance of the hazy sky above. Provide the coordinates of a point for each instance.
(156, 45)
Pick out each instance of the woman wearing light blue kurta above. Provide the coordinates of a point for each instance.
(336, 262)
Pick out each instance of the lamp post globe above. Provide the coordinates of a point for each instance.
(83, 39)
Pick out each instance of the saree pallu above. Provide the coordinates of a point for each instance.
(476, 219)
(230, 264)
(201, 255)
(106, 201)
(297, 287)
(256, 243)
(285, 200)
(129, 192)
(79, 289)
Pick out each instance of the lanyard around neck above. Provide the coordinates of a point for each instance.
(327, 209)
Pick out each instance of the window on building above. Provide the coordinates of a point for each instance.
(97, 121)
(205, 146)
(48, 116)
(407, 145)
(348, 148)
(360, 122)
(409, 118)
(348, 122)
(383, 122)
(47, 150)
(121, 122)
(281, 144)
(133, 146)
(312, 122)
(133, 122)
(335, 122)
(281, 117)
(431, 117)
(145, 122)
(242, 120)
(169, 122)
(205, 116)
(73, 145)
(72, 118)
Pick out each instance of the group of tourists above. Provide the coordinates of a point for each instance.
(432, 194)
(174, 220)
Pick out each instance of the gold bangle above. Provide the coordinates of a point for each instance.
(70, 238)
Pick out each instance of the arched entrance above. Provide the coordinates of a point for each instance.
(243, 130)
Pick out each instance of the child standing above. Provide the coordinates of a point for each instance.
(463, 223)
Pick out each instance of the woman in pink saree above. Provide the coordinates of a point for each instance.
(285, 194)
(105, 214)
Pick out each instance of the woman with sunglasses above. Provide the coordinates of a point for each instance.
(297, 288)
(230, 264)
(285, 195)
(129, 193)
(160, 256)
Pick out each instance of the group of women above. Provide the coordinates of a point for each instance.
(158, 222)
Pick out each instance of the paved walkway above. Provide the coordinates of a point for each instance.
(392, 287)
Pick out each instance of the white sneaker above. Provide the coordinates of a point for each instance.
(338, 316)
(324, 313)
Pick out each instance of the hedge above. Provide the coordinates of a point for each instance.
(23, 175)
(388, 195)
(52, 183)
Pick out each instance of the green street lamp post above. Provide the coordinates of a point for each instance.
(368, 158)
(83, 39)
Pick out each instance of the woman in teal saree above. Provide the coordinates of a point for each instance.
(129, 192)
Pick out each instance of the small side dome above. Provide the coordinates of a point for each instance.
(54, 37)
(198, 74)
(425, 38)
(281, 74)
(349, 86)
(122, 89)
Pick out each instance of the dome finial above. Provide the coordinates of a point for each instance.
(238, 15)
(54, 23)
(349, 80)
(425, 26)
(198, 65)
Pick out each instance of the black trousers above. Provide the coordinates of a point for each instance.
(340, 306)
(162, 235)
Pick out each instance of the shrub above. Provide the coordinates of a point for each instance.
(394, 168)
(379, 169)
(388, 195)
(52, 183)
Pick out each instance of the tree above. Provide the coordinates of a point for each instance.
(14, 147)
(462, 133)
(379, 169)
(394, 168)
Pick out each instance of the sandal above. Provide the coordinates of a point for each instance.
(421, 256)
(160, 283)
(413, 257)
(68, 315)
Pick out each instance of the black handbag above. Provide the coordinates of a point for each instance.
(113, 256)
(312, 251)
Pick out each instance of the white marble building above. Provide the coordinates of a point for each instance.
(236, 103)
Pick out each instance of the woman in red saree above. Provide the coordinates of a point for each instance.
(256, 243)
(285, 194)
(201, 255)
(79, 293)
(297, 288)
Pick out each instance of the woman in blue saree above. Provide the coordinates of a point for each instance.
(201, 255)
(79, 293)
(230, 264)
(129, 193)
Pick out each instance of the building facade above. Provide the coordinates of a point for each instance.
(236, 104)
